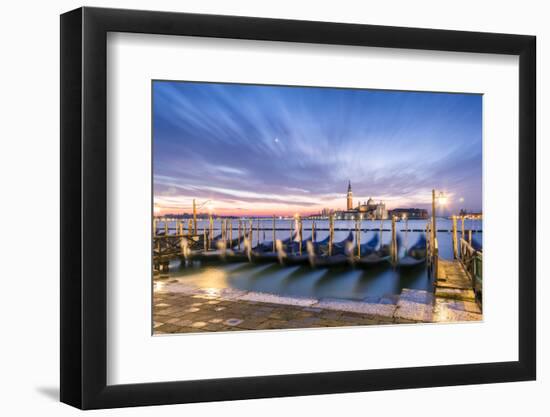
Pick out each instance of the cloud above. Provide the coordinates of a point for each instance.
(217, 141)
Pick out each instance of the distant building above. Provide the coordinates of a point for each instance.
(368, 210)
(410, 213)
(472, 216)
(350, 197)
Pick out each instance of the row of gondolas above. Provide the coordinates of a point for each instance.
(315, 253)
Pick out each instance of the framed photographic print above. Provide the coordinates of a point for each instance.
(258, 207)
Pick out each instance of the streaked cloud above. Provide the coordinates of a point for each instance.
(286, 149)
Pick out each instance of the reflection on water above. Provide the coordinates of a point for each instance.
(344, 282)
(302, 281)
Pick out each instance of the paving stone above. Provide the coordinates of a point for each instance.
(443, 313)
(471, 307)
(455, 293)
(446, 311)
(416, 296)
(272, 298)
(201, 311)
(414, 311)
(384, 310)
(167, 328)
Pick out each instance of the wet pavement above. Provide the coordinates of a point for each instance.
(179, 308)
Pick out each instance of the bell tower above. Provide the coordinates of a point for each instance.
(350, 197)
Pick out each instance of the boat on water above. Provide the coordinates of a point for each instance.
(342, 253)
(369, 247)
(344, 247)
(219, 243)
(314, 253)
(415, 255)
(265, 247)
(380, 256)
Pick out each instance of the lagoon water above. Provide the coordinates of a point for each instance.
(347, 282)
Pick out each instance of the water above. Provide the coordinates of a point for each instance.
(302, 281)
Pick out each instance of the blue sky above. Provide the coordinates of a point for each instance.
(252, 149)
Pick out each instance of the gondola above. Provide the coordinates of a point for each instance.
(341, 253)
(263, 252)
(343, 247)
(369, 247)
(264, 247)
(415, 256)
(310, 251)
(378, 257)
(294, 247)
(221, 244)
(331, 261)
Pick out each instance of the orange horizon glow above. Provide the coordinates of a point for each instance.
(183, 205)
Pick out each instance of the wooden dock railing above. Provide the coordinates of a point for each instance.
(472, 260)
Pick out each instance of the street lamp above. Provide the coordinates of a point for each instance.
(442, 200)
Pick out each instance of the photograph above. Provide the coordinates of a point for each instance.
(292, 207)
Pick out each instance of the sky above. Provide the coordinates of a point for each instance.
(277, 150)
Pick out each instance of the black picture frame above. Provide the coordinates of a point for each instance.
(84, 207)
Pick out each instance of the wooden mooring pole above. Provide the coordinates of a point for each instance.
(393, 241)
(434, 226)
(211, 230)
(381, 229)
(194, 218)
(455, 239)
(274, 248)
(239, 239)
(331, 234)
(358, 237)
(428, 244)
(300, 235)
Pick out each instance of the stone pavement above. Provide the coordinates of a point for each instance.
(182, 309)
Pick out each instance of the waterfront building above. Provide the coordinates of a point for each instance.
(470, 215)
(349, 197)
(410, 213)
(367, 210)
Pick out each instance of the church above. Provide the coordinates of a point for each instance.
(368, 210)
